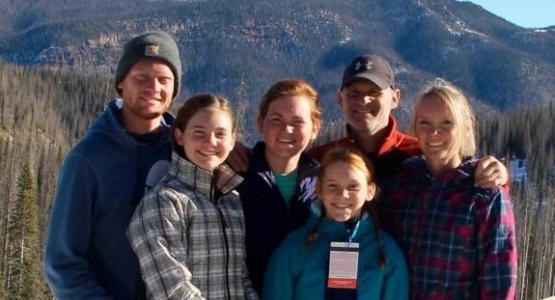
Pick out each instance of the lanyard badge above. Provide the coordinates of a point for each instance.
(343, 266)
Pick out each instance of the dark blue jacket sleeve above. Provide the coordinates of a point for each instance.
(69, 234)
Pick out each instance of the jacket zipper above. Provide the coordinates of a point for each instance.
(223, 227)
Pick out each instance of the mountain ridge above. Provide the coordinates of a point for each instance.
(239, 49)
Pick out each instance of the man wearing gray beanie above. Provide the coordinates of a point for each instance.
(103, 177)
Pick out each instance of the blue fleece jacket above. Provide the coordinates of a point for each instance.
(299, 270)
(101, 182)
(267, 218)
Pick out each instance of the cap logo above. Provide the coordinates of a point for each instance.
(151, 50)
(366, 66)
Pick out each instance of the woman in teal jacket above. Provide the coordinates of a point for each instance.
(299, 267)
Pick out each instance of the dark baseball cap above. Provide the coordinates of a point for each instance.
(370, 67)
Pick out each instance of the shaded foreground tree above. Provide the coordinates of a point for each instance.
(23, 259)
(2, 288)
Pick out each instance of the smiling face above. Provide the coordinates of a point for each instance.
(287, 127)
(438, 134)
(147, 92)
(208, 138)
(366, 106)
(343, 190)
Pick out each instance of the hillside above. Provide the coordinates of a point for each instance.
(239, 48)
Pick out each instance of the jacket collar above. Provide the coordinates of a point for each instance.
(260, 166)
(110, 124)
(224, 179)
(334, 227)
(391, 137)
(416, 167)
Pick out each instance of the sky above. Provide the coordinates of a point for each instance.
(525, 13)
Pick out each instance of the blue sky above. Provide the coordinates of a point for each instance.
(525, 13)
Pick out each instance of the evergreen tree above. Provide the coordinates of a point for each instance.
(2, 288)
(23, 259)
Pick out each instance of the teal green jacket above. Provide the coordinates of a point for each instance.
(298, 270)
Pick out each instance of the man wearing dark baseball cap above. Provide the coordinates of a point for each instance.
(367, 96)
(371, 67)
(102, 180)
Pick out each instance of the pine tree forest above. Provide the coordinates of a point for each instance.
(44, 112)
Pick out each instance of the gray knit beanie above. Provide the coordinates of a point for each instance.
(151, 45)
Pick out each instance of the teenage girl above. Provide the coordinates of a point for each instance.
(188, 231)
(340, 253)
(459, 239)
(279, 184)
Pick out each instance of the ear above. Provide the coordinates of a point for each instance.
(259, 123)
(339, 99)
(371, 192)
(469, 128)
(234, 137)
(315, 130)
(395, 98)
(318, 187)
(178, 136)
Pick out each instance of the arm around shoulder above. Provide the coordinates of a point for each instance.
(490, 172)
(497, 253)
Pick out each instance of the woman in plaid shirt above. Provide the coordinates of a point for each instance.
(188, 232)
(459, 240)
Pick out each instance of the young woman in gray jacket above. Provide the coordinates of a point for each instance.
(188, 231)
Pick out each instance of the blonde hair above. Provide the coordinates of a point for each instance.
(292, 87)
(458, 105)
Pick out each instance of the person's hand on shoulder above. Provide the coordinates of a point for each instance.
(490, 172)
(238, 158)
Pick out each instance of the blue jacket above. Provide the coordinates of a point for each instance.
(101, 182)
(299, 270)
(267, 218)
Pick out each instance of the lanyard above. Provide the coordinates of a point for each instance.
(343, 268)
(352, 236)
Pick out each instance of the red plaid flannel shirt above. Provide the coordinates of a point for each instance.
(459, 240)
